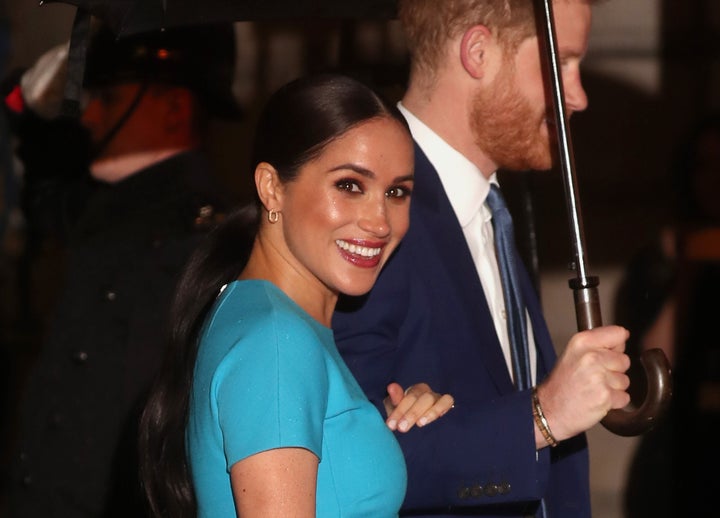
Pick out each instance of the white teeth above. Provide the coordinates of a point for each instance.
(359, 250)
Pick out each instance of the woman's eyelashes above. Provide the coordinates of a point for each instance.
(399, 191)
(354, 186)
(349, 185)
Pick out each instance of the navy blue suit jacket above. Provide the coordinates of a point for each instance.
(427, 320)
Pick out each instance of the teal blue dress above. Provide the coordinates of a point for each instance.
(269, 376)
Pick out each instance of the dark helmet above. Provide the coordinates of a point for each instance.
(201, 58)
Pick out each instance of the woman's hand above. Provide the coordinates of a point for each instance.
(418, 404)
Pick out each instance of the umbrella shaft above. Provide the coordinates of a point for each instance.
(587, 303)
(565, 153)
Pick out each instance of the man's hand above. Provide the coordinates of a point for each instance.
(588, 381)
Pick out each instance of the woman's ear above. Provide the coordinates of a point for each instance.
(269, 187)
(473, 48)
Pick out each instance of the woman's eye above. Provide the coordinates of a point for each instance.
(348, 185)
(398, 192)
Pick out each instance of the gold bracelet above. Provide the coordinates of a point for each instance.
(541, 421)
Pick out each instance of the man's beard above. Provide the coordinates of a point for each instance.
(507, 129)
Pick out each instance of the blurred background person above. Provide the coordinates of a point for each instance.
(668, 299)
(128, 190)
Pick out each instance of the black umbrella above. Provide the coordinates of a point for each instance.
(127, 17)
(625, 422)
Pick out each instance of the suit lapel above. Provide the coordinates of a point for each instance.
(431, 206)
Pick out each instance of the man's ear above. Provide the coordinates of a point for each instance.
(269, 187)
(473, 48)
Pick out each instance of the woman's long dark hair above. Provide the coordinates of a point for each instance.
(296, 125)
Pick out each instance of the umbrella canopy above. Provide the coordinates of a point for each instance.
(127, 17)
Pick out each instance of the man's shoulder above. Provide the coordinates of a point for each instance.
(197, 193)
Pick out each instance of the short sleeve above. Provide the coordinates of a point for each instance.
(271, 391)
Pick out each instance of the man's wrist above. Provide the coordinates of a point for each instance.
(541, 420)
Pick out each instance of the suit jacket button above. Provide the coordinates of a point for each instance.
(463, 492)
(491, 489)
(110, 296)
(504, 488)
(476, 491)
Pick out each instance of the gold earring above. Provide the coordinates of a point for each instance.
(273, 216)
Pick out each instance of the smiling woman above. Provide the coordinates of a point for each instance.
(343, 214)
(256, 414)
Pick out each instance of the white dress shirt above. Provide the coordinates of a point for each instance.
(466, 187)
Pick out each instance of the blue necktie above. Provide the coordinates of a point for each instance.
(508, 262)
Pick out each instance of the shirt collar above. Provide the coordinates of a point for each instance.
(465, 185)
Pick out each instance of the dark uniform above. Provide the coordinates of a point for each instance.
(78, 455)
(672, 473)
(127, 244)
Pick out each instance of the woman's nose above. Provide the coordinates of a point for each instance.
(375, 221)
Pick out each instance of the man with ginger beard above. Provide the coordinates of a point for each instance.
(476, 103)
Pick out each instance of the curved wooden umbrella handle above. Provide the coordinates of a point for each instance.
(629, 421)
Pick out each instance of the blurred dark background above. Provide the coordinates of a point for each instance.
(652, 71)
